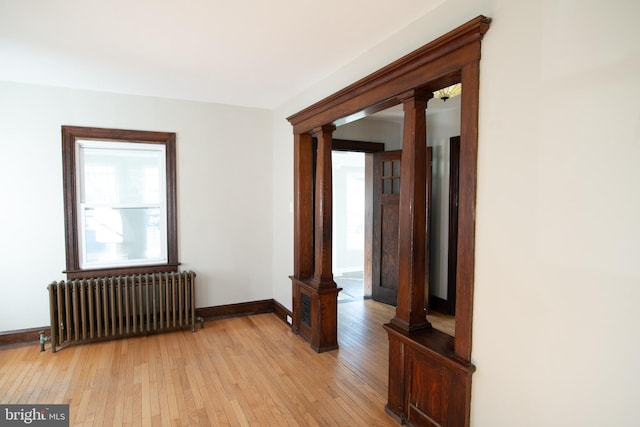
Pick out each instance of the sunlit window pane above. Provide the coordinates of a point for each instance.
(121, 174)
(121, 204)
(122, 236)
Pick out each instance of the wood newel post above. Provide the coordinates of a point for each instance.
(323, 274)
(410, 310)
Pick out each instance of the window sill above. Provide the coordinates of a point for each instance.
(120, 271)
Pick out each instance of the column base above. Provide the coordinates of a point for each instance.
(411, 327)
(315, 313)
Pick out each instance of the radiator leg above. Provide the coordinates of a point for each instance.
(44, 339)
(201, 320)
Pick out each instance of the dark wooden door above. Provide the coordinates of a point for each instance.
(454, 173)
(386, 199)
(386, 205)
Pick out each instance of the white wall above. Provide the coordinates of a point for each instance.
(557, 277)
(224, 192)
(372, 130)
(442, 124)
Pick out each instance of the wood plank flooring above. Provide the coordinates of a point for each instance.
(243, 371)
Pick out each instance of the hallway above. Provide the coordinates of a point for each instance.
(352, 286)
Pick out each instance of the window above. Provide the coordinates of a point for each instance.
(120, 203)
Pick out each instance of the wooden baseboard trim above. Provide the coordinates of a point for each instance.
(232, 310)
(245, 309)
(26, 337)
(282, 312)
(22, 337)
(438, 304)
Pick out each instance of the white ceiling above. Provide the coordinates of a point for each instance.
(257, 53)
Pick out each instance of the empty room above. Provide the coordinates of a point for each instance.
(319, 213)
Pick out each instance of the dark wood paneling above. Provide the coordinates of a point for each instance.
(395, 406)
(321, 310)
(435, 387)
(427, 379)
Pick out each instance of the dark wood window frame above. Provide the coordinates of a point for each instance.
(69, 136)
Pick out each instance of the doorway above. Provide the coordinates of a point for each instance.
(349, 224)
(352, 166)
(380, 272)
(434, 358)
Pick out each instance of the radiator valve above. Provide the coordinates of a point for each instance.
(43, 339)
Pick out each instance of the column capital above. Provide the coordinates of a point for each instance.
(329, 128)
(417, 94)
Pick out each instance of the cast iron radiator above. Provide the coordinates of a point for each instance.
(84, 310)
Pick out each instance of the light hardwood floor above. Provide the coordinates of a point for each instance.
(237, 372)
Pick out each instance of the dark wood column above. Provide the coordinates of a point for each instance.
(410, 310)
(323, 274)
(303, 205)
(315, 293)
(467, 209)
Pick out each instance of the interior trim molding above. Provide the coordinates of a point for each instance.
(429, 373)
(31, 336)
(423, 67)
(22, 337)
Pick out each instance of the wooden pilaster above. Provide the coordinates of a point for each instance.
(303, 206)
(467, 209)
(323, 274)
(303, 158)
(410, 311)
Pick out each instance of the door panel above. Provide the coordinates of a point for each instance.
(386, 199)
(389, 250)
(386, 213)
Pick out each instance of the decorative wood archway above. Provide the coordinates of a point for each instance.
(417, 353)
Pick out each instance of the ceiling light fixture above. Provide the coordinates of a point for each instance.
(448, 92)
